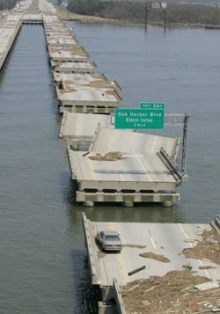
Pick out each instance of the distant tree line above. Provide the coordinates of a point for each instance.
(7, 4)
(86, 7)
(135, 11)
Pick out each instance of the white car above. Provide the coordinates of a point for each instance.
(109, 240)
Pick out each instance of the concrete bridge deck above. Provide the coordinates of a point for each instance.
(74, 53)
(80, 127)
(167, 240)
(73, 67)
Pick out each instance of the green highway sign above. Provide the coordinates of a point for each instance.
(139, 119)
(152, 105)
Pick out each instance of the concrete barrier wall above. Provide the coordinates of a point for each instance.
(10, 42)
(118, 298)
(92, 261)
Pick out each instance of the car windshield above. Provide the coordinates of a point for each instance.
(112, 238)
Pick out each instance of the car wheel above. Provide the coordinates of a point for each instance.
(101, 246)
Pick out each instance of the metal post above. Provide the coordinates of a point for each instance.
(184, 145)
(146, 14)
(165, 17)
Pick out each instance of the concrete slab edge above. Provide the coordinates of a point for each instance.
(118, 298)
(92, 261)
(118, 197)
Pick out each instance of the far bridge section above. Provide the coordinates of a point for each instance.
(32, 19)
(127, 167)
(10, 25)
(34, 14)
(87, 93)
(25, 12)
(9, 29)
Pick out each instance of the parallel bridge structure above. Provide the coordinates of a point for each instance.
(9, 29)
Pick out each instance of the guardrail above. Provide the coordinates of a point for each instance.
(171, 164)
(118, 298)
(91, 256)
(216, 224)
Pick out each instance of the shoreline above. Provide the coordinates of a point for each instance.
(69, 16)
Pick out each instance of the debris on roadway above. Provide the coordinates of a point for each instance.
(155, 256)
(173, 293)
(207, 248)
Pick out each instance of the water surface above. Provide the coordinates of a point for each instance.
(180, 67)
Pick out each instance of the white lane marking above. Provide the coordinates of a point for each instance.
(110, 140)
(186, 236)
(155, 139)
(132, 155)
(152, 240)
(142, 166)
(122, 178)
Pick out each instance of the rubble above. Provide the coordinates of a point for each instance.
(208, 248)
(135, 246)
(111, 156)
(157, 257)
(173, 293)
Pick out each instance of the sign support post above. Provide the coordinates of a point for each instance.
(146, 14)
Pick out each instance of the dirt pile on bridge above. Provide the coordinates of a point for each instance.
(173, 293)
(208, 248)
